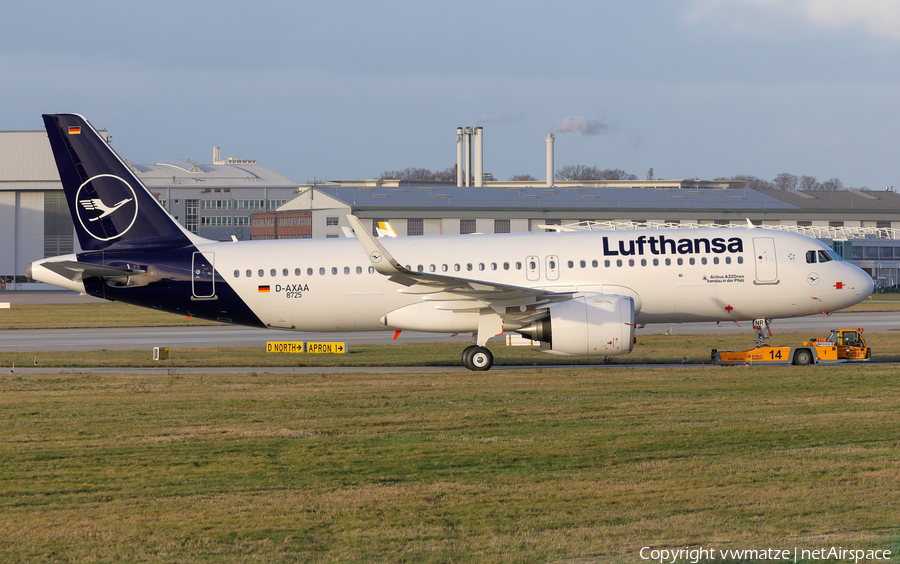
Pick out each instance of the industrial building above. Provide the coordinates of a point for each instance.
(239, 198)
(860, 220)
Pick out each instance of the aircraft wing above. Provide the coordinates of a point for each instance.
(77, 271)
(457, 293)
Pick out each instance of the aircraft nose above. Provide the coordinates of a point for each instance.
(865, 284)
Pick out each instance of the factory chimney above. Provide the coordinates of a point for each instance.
(479, 156)
(550, 138)
(459, 157)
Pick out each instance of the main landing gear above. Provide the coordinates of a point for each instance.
(477, 358)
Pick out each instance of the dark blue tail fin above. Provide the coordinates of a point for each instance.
(109, 205)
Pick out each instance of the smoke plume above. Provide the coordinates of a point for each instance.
(583, 125)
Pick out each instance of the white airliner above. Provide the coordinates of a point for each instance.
(578, 293)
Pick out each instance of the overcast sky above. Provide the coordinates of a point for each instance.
(692, 88)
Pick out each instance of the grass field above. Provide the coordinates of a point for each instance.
(571, 465)
(105, 314)
(563, 465)
(651, 349)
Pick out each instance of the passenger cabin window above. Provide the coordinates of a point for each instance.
(249, 273)
(296, 272)
(321, 271)
(261, 273)
(272, 272)
(237, 273)
(359, 270)
(309, 271)
(346, 270)
(284, 272)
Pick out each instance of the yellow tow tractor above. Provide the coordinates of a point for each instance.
(842, 345)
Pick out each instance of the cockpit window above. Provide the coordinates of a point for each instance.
(824, 256)
(810, 257)
(834, 255)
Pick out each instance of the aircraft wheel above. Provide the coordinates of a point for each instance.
(802, 357)
(480, 359)
(467, 352)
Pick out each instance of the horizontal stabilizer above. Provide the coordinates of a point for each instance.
(77, 271)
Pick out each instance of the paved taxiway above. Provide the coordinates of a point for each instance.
(231, 336)
(25, 340)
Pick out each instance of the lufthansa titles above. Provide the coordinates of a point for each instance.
(663, 245)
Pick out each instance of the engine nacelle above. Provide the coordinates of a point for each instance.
(426, 317)
(591, 325)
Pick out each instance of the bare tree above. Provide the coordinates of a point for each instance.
(808, 183)
(577, 172)
(752, 182)
(522, 177)
(584, 172)
(616, 174)
(413, 173)
(785, 181)
(833, 184)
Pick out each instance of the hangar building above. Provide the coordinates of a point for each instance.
(213, 200)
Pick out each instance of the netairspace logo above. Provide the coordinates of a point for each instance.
(796, 554)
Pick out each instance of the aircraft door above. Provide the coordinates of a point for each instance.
(552, 267)
(203, 276)
(764, 257)
(532, 268)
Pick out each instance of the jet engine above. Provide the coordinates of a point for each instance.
(587, 325)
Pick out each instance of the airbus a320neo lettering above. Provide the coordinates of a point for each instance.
(578, 293)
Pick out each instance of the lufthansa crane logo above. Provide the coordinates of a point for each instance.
(106, 197)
